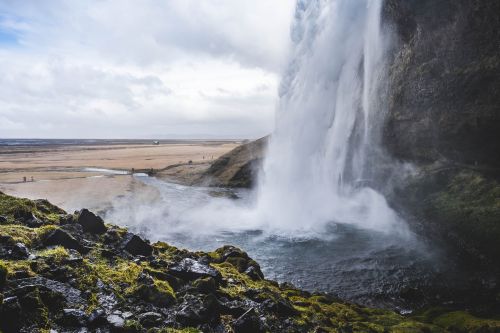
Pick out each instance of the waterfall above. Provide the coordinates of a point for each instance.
(323, 155)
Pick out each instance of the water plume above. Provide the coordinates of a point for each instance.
(321, 159)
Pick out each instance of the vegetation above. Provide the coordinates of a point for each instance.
(102, 285)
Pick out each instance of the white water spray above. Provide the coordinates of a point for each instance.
(321, 156)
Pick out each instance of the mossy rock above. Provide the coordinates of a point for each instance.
(462, 206)
(3, 275)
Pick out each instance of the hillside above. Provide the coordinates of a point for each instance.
(74, 273)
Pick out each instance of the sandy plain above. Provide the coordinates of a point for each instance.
(94, 175)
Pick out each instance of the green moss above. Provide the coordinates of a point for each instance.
(55, 255)
(132, 326)
(19, 233)
(17, 266)
(320, 309)
(464, 322)
(12, 208)
(470, 205)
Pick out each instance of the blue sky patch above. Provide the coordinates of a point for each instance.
(8, 38)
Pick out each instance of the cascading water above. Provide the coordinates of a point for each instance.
(321, 156)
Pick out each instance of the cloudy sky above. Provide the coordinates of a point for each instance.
(141, 69)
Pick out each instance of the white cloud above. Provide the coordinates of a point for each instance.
(177, 68)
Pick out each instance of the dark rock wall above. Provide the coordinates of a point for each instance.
(445, 81)
(444, 118)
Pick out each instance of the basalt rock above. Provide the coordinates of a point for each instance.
(444, 81)
(135, 245)
(191, 269)
(443, 117)
(90, 222)
(62, 238)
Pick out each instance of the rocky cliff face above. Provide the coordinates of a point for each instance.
(444, 117)
(444, 98)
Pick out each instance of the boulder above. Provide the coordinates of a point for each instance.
(97, 317)
(90, 222)
(10, 249)
(69, 295)
(26, 217)
(195, 310)
(135, 245)
(60, 237)
(74, 317)
(116, 322)
(190, 269)
(11, 309)
(248, 322)
(205, 285)
(150, 319)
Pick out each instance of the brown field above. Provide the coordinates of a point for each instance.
(59, 173)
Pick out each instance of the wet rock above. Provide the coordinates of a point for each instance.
(150, 319)
(12, 250)
(62, 238)
(116, 322)
(73, 258)
(254, 273)
(70, 295)
(280, 307)
(20, 251)
(90, 222)
(27, 218)
(67, 219)
(74, 317)
(11, 309)
(196, 310)
(151, 294)
(112, 236)
(205, 285)
(135, 245)
(248, 322)
(240, 260)
(191, 269)
(97, 318)
(236, 308)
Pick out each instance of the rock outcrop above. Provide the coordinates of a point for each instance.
(239, 167)
(110, 288)
(444, 118)
(444, 100)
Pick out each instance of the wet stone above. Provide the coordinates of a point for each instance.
(62, 238)
(249, 322)
(90, 222)
(135, 245)
(191, 269)
(150, 319)
(116, 321)
(74, 317)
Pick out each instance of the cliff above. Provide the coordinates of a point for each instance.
(239, 167)
(74, 273)
(444, 118)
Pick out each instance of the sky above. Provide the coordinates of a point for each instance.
(141, 69)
